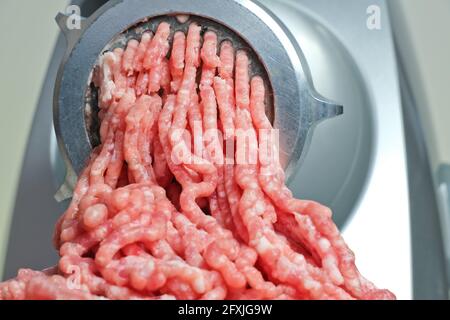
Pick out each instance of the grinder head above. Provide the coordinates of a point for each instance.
(295, 107)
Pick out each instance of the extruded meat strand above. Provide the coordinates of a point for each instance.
(177, 60)
(129, 55)
(141, 51)
(155, 50)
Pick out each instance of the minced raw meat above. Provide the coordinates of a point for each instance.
(154, 218)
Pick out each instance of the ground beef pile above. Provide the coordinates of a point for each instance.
(185, 197)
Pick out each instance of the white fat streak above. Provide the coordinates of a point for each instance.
(324, 244)
(263, 245)
(310, 284)
(199, 284)
(182, 18)
(330, 264)
(259, 206)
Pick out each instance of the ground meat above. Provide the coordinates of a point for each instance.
(185, 196)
